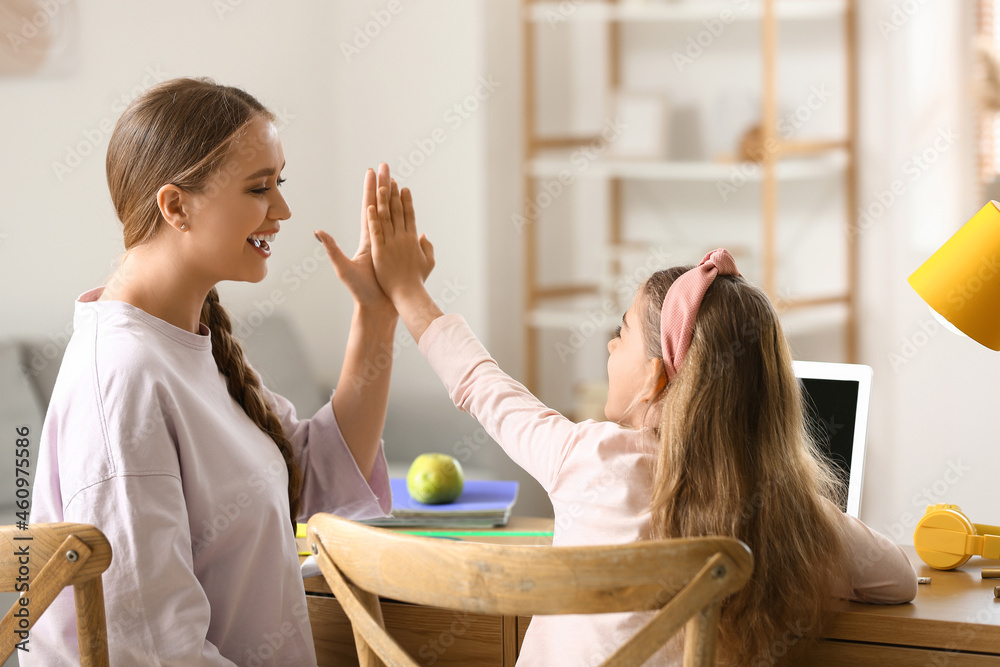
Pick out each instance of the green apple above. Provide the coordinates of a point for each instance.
(434, 479)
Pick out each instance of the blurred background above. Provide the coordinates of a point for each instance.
(558, 154)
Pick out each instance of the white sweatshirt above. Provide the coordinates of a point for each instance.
(143, 440)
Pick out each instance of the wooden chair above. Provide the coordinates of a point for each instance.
(685, 579)
(49, 557)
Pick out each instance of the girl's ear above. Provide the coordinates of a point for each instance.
(655, 380)
(173, 205)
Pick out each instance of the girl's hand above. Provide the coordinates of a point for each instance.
(402, 259)
(358, 273)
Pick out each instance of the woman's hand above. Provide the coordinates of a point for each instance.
(362, 394)
(402, 259)
(358, 272)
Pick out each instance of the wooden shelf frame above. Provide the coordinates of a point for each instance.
(771, 13)
(682, 11)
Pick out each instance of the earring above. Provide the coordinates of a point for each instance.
(184, 225)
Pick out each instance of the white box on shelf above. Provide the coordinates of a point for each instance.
(645, 119)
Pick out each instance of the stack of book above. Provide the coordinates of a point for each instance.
(483, 504)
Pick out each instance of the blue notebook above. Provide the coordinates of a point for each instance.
(483, 503)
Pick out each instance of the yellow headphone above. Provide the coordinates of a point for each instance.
(945, 538)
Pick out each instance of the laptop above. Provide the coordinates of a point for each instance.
(836, 398)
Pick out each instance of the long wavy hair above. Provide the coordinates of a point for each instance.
(736, 459)
(182, 131)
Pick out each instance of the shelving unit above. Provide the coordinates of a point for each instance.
(682, 10)
(830, 163)
(560, 305)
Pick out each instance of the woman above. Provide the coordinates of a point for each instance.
(160, 433)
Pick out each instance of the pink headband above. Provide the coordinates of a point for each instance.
(680, 306)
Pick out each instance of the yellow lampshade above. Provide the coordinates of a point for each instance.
(961, 281)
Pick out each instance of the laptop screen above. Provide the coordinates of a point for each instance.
(836, 398)
(831, 411)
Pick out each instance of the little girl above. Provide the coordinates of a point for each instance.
(705, 437)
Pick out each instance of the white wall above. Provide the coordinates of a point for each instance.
(933, 435)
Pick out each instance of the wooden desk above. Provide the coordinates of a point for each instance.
(954, 621)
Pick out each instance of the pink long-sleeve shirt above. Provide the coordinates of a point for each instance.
(143, 440)
(599, 478)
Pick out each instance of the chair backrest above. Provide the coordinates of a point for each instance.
(39, 562)
(684, 579)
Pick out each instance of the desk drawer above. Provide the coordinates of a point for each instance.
(439, 637)
(850, 654)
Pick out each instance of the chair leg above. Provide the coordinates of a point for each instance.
(700, 637)
(366, 656)
(364, 611)
(92, 629)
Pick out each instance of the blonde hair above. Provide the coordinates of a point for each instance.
(736, 459)
(181, 132)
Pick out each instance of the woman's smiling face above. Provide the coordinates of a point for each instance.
(234, 218)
